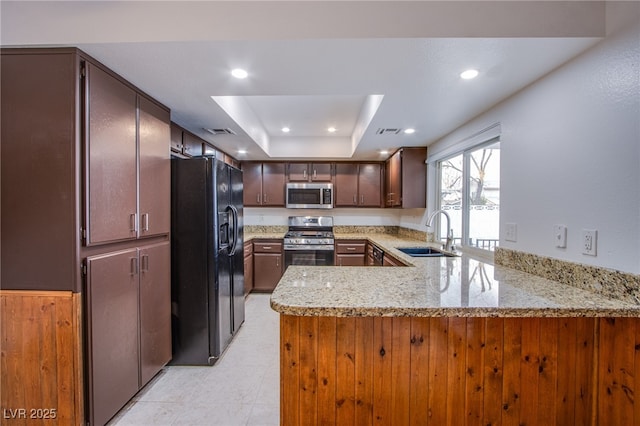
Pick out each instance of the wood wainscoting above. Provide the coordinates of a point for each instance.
(459, 371)
(41, 358)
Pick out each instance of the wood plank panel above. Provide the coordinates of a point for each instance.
(382, 370)
(345, 370)
(547, 371)
(289, 370)
(456, 371)
(438, 342)
(327, 370)
(493, 370)
(636, 388)
(529, 371)
(40, 357)
(617, 346)
(400, 371)
(511, 371)
(308, 350)
(474, 385)
(419, 387)
(364, 351)
(586, 370)
(567, 354)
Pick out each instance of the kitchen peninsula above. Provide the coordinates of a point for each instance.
(451, 340)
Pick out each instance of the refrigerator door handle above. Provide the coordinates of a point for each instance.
(234, 214)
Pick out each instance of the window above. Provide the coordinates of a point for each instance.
(469, 191)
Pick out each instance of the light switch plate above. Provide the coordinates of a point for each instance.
(560, 235)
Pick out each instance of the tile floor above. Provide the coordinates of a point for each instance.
(242, 388)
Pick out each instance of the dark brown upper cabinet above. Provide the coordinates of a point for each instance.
(264, 184)
(406, 179)
(185, 144)
(309, 172)
(176, 138)
(155, 169)
(191, 145)
(358, 185)
(127, 137)
(111, 151)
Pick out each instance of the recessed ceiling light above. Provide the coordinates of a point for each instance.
(239, 73)
(242, 151)
(286, 129)
(409, 131)
(469, 74)
(331, 129)
(383, 152)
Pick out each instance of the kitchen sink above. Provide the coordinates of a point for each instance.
(423, 252)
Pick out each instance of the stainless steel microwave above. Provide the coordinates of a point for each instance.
(309, 195)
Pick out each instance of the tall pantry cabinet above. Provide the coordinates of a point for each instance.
(85, 217)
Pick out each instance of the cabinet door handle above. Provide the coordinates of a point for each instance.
(133, 222)
(277, 262)
(134, 266)
(362, 199)
(144, 266)
(265, 198)
(258, 198)
(315, 174)
(351, 248)
(355, 199)
(304, 174)
(145, 222)
(266, 247)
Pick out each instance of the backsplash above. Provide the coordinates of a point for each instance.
(344, 229)
(265, 229)
(607, 282)
(356, 229)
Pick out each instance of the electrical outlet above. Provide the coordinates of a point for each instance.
(511, 232)
(560, 235)
(589, 241)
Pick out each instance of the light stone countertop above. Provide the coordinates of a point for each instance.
(464, 286)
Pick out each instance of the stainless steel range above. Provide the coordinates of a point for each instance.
(309, 241)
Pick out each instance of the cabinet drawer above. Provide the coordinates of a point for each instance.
(267, 247)
(352, 247)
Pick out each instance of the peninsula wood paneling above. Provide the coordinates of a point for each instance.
(41, 359)
(459, 371)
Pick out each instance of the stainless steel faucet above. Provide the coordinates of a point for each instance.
(448, 245)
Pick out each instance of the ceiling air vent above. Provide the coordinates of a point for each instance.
(388, 131)
(221, 131)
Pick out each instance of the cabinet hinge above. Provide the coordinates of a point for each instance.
(83, 269)
(83, 71)
(83, 234)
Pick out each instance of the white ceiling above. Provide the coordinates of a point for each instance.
(327, 75)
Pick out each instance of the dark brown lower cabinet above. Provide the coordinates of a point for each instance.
(155, 310)
(389, 260)
(267, 271)
(350, 259)
(350, 252)
(268, 263)
(248, 267)
(128, 325)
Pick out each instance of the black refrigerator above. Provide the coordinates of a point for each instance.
(207, 260)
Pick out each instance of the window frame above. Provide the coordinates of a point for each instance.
(466, 174)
